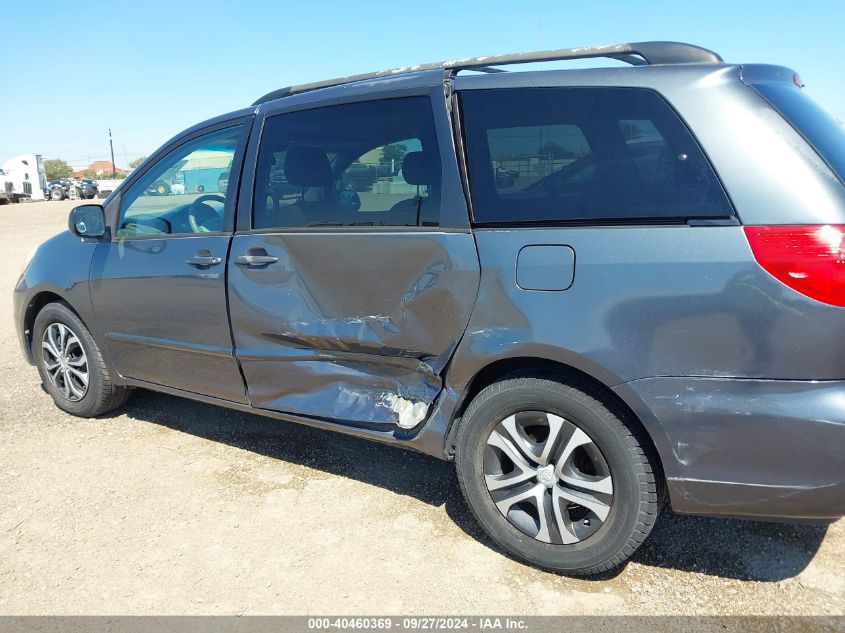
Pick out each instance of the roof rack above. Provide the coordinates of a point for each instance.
(636, 54)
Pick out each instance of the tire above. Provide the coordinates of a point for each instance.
(613, 456)
(70, 394)
(57, 194)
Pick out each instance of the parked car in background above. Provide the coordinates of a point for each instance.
(359, 177)
(90, 189)
(172, 182)
(60, 189)
(595, 290)
(160, 187)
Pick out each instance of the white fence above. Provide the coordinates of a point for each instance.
(108, 184)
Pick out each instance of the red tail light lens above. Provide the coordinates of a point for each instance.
(808, 259)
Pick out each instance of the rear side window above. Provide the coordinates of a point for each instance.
(811, 120)
(584, 154)
(374, 163)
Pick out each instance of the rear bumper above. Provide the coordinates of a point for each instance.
(747, 448)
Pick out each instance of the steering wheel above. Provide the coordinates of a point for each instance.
(203, 218)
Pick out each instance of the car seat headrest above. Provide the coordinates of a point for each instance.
(307, 167)
(418, 169)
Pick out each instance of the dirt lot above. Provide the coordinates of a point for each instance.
(172, 506)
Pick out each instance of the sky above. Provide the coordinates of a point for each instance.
(150, 69)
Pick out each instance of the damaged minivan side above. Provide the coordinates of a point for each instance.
(586, 287)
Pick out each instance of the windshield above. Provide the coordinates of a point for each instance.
(819, 128)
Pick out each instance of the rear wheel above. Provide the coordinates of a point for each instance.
(557, 473)
(57, 194)
(71, 365)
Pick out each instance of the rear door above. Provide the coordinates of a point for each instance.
(352, 279)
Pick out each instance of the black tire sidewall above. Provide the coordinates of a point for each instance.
(607, 433)
(58, 313)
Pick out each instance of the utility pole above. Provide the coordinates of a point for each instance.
(111, 146)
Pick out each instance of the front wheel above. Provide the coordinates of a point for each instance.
(557, 473)
(71, 365)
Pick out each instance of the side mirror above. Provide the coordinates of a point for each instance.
(88, 220)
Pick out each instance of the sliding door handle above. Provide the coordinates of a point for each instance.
(255, 260)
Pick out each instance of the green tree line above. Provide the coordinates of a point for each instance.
(56, 169)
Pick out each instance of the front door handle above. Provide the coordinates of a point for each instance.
(204, 258)
(255, 260)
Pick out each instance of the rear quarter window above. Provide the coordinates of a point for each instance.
(819, 128)
(584, 154)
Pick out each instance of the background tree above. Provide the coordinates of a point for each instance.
(137, 161)
(394, 152)
(57, 168)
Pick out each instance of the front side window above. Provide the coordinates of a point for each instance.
(374, 163)
(185, 192)
(584, 154)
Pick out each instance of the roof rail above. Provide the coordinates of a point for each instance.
(636, 54)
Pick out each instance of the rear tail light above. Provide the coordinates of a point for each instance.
(808, 259)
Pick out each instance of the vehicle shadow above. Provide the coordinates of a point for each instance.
(731, 548)
(744, 550)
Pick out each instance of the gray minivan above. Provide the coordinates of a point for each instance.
(594, 289)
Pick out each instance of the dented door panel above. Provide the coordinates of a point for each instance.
(352, 326)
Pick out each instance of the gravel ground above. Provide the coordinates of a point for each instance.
(171, 506)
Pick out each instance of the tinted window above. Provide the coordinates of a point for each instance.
(364, 164)
(184, 192)
(817, 126)
(580, 154)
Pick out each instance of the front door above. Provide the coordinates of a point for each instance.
(159, 286)
(348, 290)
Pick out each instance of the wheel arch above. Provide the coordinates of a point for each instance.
(542, 366)
(35, 305)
